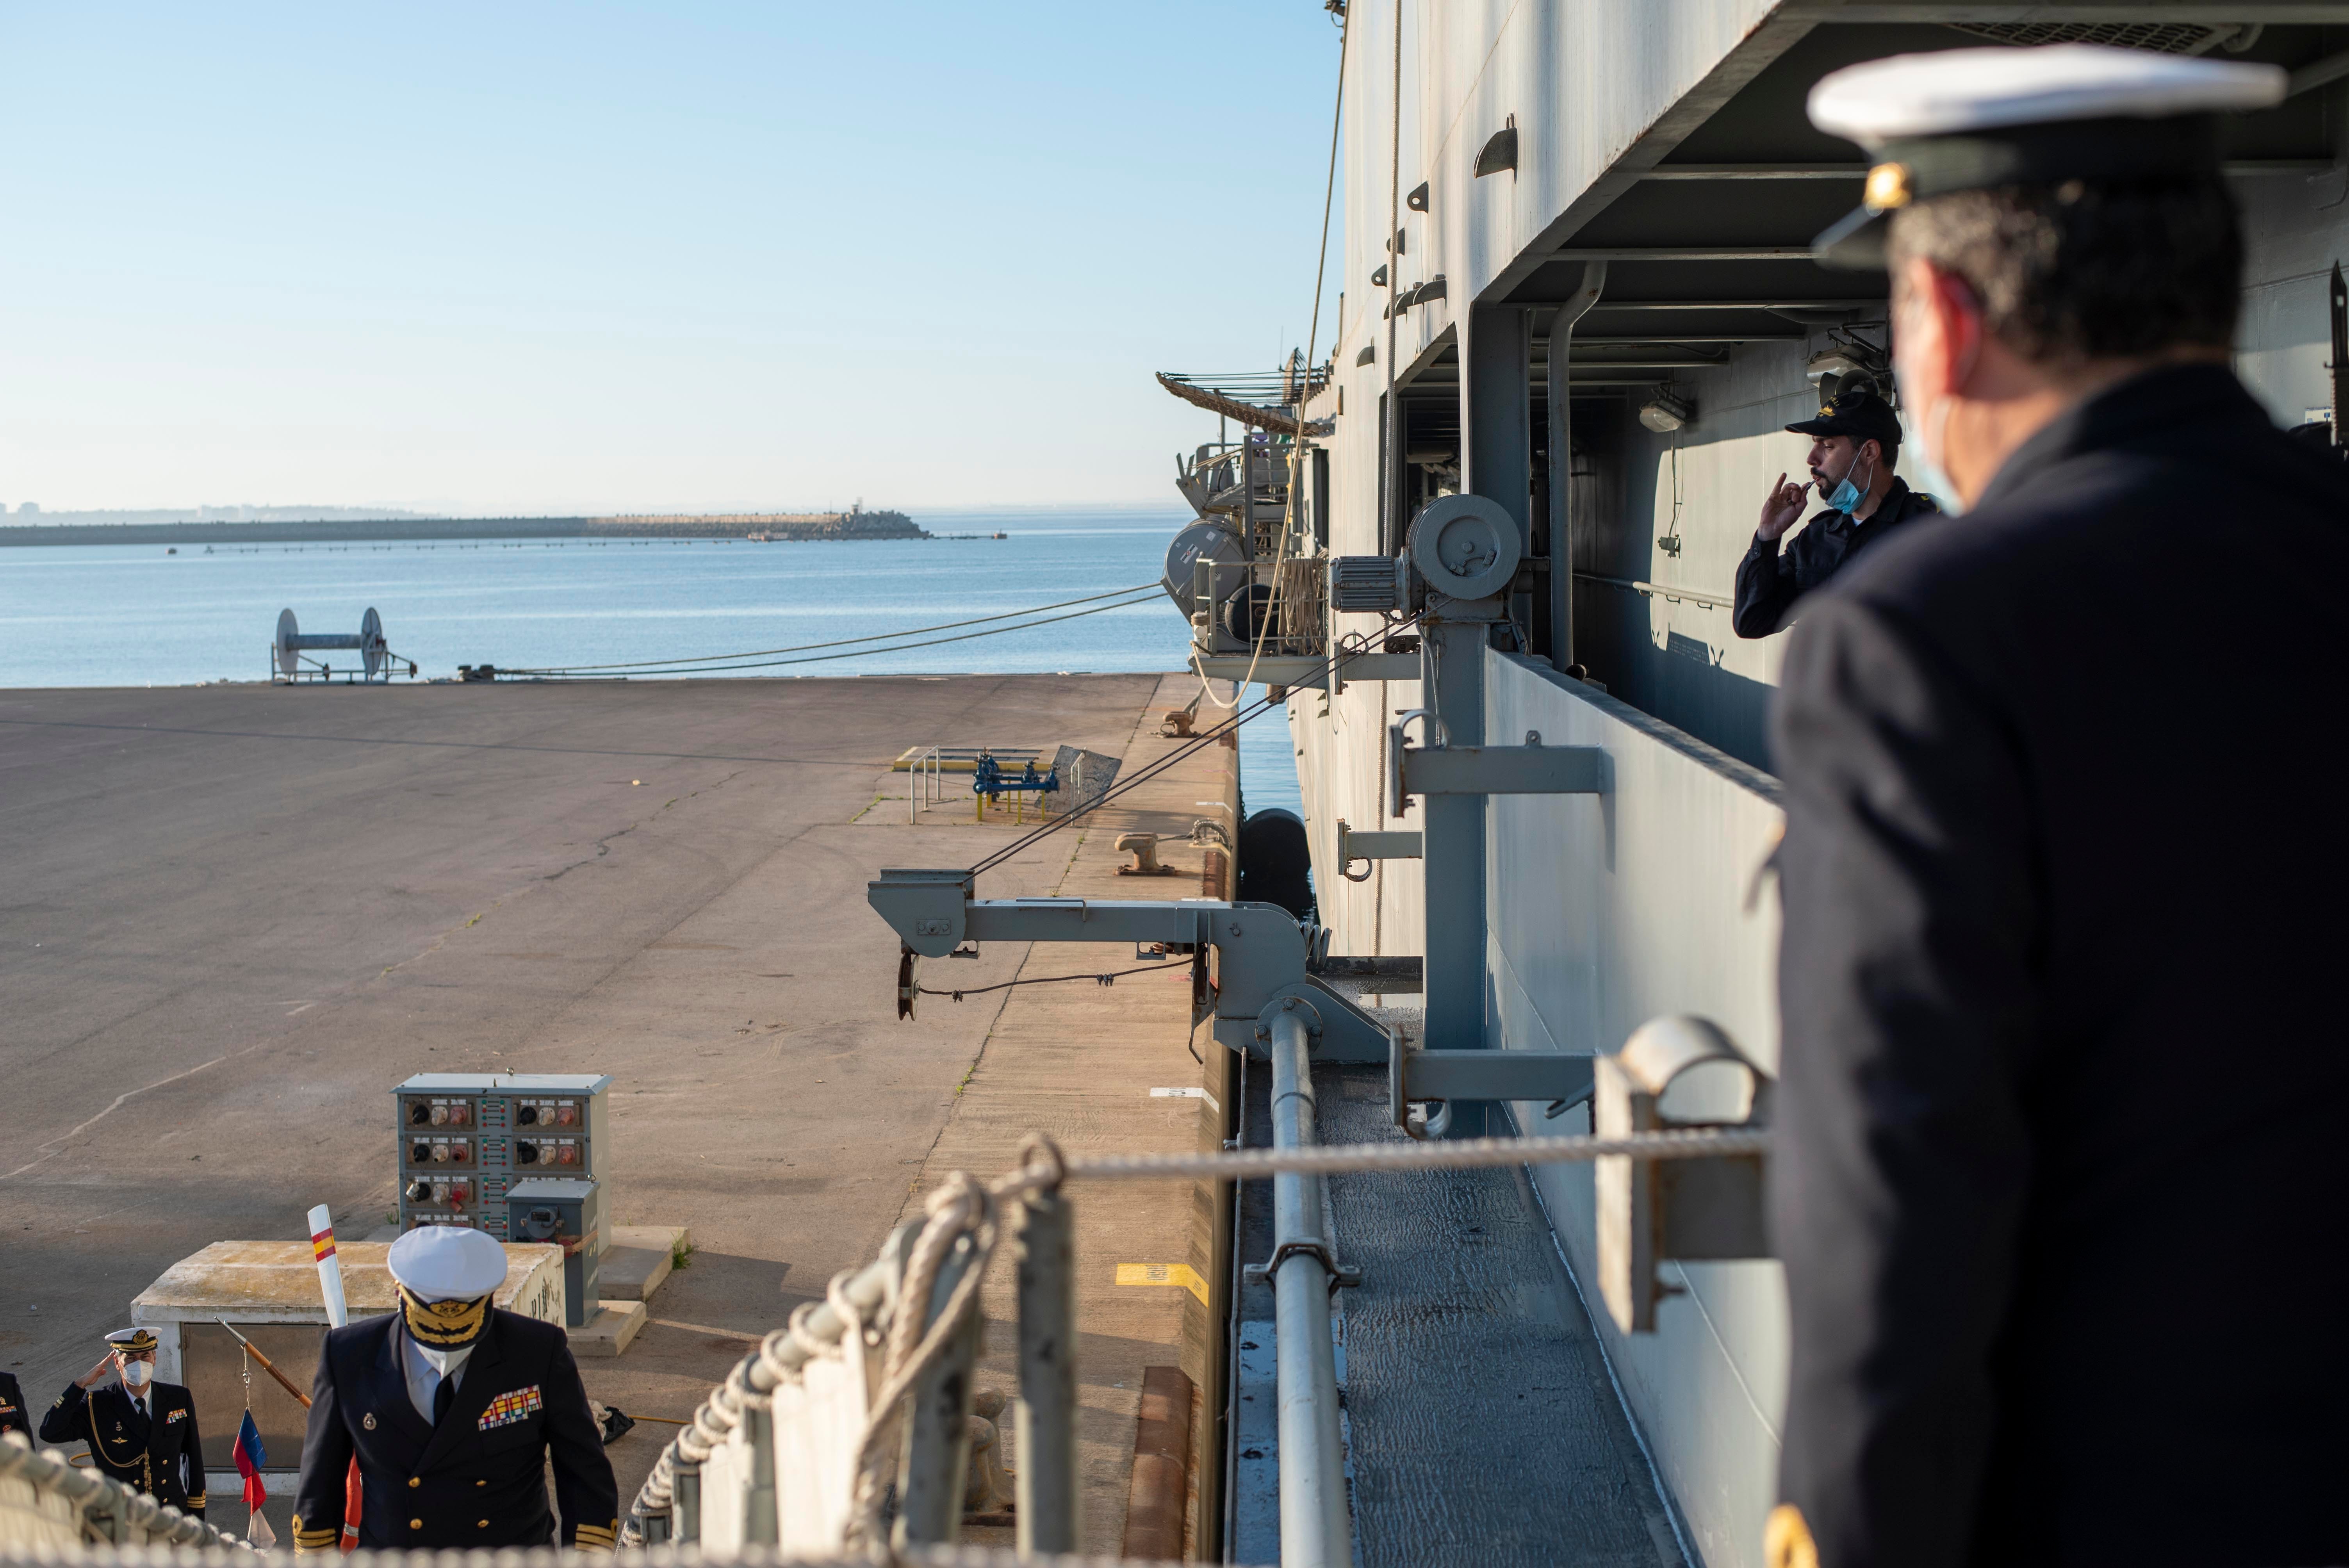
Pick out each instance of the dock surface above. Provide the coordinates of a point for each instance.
(235, 916)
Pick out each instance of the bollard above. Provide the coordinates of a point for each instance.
(938, 1429)
(1046, 1417)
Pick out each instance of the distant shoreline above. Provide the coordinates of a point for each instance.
(778, 527)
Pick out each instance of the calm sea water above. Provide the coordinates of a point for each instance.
(114, 616)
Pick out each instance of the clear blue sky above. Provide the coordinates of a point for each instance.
(537, 257)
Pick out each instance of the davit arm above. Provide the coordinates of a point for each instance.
(1261, 950)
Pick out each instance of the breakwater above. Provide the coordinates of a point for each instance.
(780, 527)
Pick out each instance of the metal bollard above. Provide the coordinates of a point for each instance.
(937, 1454)
(1046, 1415)
(1316, 1525)
(657, 1531)
(685, 1504)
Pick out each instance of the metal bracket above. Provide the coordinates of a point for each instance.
(1305, 673)
(1501, 769)
(1347, 1274)
(1562, 1078)
(1263, 955)
(1649, 1210)
(1358, 846)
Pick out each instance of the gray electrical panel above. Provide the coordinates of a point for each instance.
(566, 1212)
(466, 1138)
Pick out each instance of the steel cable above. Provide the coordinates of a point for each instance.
(1257, 709)
(842, 642)
(586, 673)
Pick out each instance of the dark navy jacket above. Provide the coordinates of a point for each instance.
(1777, 571)
(159, 1454)
(14, 1418)
(477, 1479)
(2058, 1181)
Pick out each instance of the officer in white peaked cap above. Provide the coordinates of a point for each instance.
(137, 1430)
(453, 1406)
(2062, 1061)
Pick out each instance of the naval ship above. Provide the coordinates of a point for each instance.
(1576, 308)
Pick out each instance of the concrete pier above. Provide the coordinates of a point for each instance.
(236, 917)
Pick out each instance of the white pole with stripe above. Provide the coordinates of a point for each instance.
(330, 1268)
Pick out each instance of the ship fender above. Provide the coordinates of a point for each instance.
(1275, 864)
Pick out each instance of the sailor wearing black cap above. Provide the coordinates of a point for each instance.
(140, 1431)
(2062, 1063)
(1854, 443)
(453, 1406)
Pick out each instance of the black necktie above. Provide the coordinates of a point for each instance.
(444, 1397)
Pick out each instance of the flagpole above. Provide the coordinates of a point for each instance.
(266, 1364)
(338, 1313)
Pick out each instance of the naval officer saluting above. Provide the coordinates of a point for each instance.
(140, 1431)
(453, 1407)
(2057, 1172)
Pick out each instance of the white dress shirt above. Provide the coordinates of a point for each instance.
(424, 1371)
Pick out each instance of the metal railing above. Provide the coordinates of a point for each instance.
(50, 1511)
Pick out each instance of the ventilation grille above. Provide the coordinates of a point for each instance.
(2161, 37)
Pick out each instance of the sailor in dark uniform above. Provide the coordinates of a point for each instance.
(454, 1408)
(13, 1418)
(140, 1431)
(1855, 441)
(2057, 1181)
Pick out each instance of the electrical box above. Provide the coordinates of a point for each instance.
(566, 1211)
(466, 1138)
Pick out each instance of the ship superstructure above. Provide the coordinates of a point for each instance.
(1578, 308)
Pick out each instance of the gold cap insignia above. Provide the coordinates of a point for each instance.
(1787, 1540)
(1889, 186)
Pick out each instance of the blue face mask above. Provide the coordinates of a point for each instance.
(1847, 495)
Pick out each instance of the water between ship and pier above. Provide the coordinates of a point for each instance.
(118, 616)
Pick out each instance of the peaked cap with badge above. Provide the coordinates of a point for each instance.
(2060, 1043)
(510, 1399)
(155, 1449)
(1972, 119)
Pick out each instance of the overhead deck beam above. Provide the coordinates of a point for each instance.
(2328, 69)
(2211, 13)
(1684, 253)
(1760, 48)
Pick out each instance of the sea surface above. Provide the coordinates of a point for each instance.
(118, 616)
